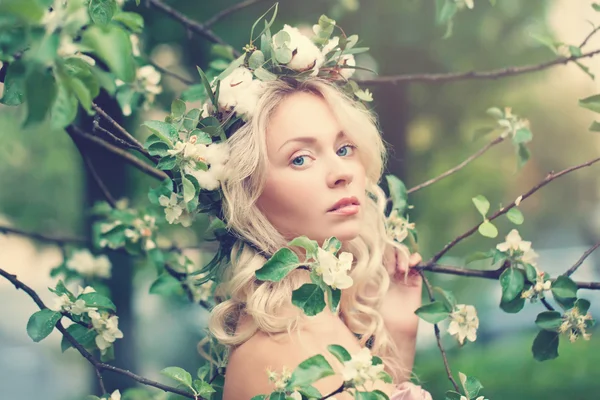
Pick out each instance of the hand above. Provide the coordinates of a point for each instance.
(399, 264)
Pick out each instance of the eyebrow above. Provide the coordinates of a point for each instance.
(311, 139)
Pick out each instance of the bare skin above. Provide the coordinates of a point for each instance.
(305, 178)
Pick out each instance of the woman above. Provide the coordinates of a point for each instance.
(308, 163)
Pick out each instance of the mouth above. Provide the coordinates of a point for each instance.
(345, 206)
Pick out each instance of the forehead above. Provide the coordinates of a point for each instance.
(301, 114)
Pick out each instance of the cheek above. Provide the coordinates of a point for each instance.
(283, 195)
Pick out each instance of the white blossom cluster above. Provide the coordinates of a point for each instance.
(511, 123)
(107, 328)
(147, 81)
(141, 229)
(116, 395)
(360, 369)
(333, 269)
(279, 380)
(240, 92)
(88, 266)
(464, 323)
(575, 324)
(397, 227)
(515, 246)
(195, 156)
(63, 303)
(537, 290)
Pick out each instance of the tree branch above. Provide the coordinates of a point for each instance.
(581, 260)
(190, 24)
(436, 330)
(171, 74)
(550, 177)
(99, 366)
(132, 160)
(58, 240)
(459, 166)
(236, 7)
(122, 130)
(456, 76)
(588, 37)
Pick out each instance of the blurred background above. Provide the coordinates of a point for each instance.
(44, 187)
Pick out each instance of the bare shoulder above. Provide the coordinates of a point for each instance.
(246, 374)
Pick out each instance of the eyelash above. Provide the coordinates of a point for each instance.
(350, 145)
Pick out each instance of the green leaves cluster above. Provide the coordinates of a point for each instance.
(310, 297)
(198, 387)
(487, 228)
(438, 310)
(470, 386)
(50, 50)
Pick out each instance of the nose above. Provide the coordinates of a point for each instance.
(340, 174)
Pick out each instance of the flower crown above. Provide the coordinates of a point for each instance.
(191, 145)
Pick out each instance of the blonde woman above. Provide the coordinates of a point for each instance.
(309, 162)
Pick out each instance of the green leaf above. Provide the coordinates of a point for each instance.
(310, 298)
(41, 324)
(82, 92)
(595, 127)
(522, 135)
(583, 306)
(549, 320)
(513, 306)
(545, 346)
(112, 45)
(310, 392)
(132, 21)
(478, 256)
(189, 191)
(166, 285)
(283, 55)
(191, 119)
(332, 244)
(99, 301)
(14, 84)
(530, 273)
(307, 244)
(515, 216)
(259, 397)
(164, 130)
(278, 266)
(177, 108)
(596, 6)
(447, 297)
(309, 371)
(203, 389)
(268, 24)
(39, 101)
(374, 395)
(452, 395)
(433, 312)
(482, 204)
(339, 352)
(207, 87)
(102, 11)
(159, 148)
(398, 193)
(264, 75)
(512, 281)
(564, 287)
(84, 336)
(256, 59)
(471, 385)
(64, 109)
(178, 374)
(203, 137)
(495, 112)
(488, 229)
(591, 103)
(384, 376)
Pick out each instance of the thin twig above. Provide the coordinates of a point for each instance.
(455, 76)
(118, 141)
(165, 71)
(222, 14)
(122, 130)
(100, 380)
(132, 160)
(494, 142)
(436, 330)
(189, 24)
(59, 240)
(585, 255)
(550, 177)
(86, 354)
(588, 37)
(546, 304)
(336, 391)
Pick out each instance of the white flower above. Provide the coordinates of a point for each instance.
(77, 307)
(149, 78)
(347, 59)
(296, 396)
(465, 3)
(306, 55)
(530, 257)
(116, 395)
(575, 324)
(61, 303)
(330, 45)
(214, 156)
(364, 95)
(135, 44)
(89, 266)
(240, 91)
(514, 243)
(107, 329)
(334, 271)
(464, 323)
(280, 381)
(397, 226)
(360, 369)
(173, 209)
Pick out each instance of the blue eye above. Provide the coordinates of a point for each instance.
(347, 148)
(301, 158)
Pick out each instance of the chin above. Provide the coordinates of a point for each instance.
(342, 233)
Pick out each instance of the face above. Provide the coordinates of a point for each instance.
(312, 166)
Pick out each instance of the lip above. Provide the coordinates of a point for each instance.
(345, 206)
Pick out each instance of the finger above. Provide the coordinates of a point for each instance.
(415, 259)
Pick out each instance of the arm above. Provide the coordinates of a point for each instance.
(399, 305)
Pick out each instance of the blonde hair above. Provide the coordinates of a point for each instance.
(241, 293)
